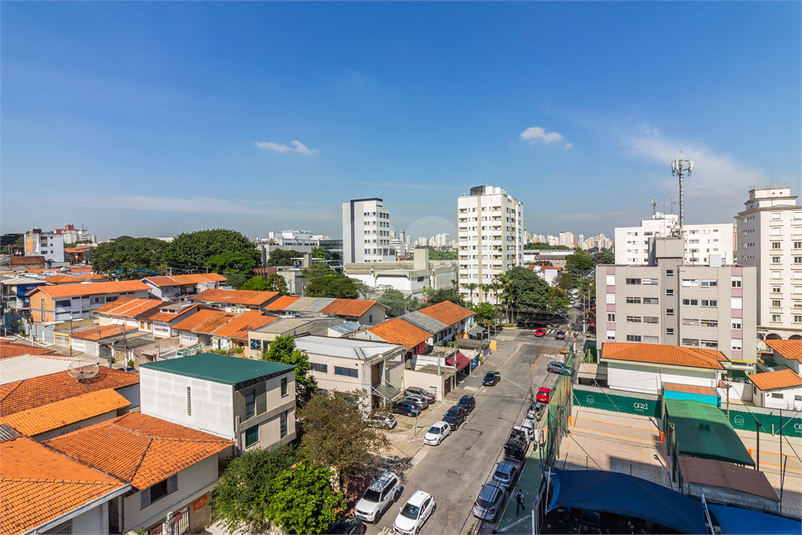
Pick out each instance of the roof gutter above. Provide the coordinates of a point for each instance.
(81, 509)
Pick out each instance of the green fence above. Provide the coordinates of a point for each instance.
(559, 409)
(596, 398)
(743, 420)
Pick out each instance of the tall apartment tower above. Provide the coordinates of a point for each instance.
(770, 234)
(366, 232)
(672, 303)
(702, 242)
(490, 238)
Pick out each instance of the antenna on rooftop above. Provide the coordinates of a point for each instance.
(679, 167)
(654, 208)
(82, 369)
(673, 201)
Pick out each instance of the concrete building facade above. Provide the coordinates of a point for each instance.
(490, 223)
(366, 231)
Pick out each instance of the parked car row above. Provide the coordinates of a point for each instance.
(378, 498)
(415, 401)
(453, 418)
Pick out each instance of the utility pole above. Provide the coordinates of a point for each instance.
(679, 167)
(757, 433)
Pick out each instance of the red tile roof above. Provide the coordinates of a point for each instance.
(40, 485)
(94, 288)
(46, 389)
(114, 304)
(786, 378)
(352, 308)
(691, 389)
(100, 332)
(663, 354)
(462, 361)
(91, 277)
(145, 449)
(236, 297)
(239, 326)
(789, 349)
(62, 279)
(130, 308)
(15, 350)
(65, 412)
(399, 331)
(201, 316)
(446, 312)
(167, 317)
(211, 325)
(178, 280)
(282, 302)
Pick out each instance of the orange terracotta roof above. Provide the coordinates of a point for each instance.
(663, 354)
(789, 349)
(91, 277)
(446, 312)
(146, 449)
(65, 412)
(236, 297)
(399, 331)
(167, 317)
(46, 389)
(40, 485)
(131, 307)
(201, 316)
(114, 304)
(94, 288)
(282, 302)
(691, 389)
(178, 280)
(352, 308)
(102, 331)
(242, 324)
(62, 279)
(209, 326)
(786, 378)
(15, 350)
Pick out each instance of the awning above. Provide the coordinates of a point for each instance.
(475, 330)
(612, 492)
(462, 361)
(736, 520)
(385, 391)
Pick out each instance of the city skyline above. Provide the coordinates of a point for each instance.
(114, 119)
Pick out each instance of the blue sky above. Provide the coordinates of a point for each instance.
(148, 118)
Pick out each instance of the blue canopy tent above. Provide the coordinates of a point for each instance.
(736, 520)
(611, 492)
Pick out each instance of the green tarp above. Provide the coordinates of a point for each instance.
(595, 398)
(702, 430)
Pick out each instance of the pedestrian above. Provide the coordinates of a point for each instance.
(520, 502)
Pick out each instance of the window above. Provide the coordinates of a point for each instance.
(776, 395)
(709, 323)
(709, 302)
(709, 283)
(158, 491)
(775, 245)
(323, 368)
(650, 301)
(690, 302)
(63, 303)
(775, 259)
(690, 342)
(737, 303)
(650, 282)
(251, 435)
(669, 273)
(633, 338)
(610, 299)
(689, 321)
(690, 282)
(797, 319)
(633, 300)
(776, 289)
(670, 331)
(669, 312)
(709, 343)
(798, 260)
(611, 316)
(283, 423)
(798, 245)
(736, 325)
(256, 344)
(189, 401)
(633, 281)
(669, 291)
(283, 386)
(348, 372)
(776, 317)
(737, 344)
(776, 302)
(633, 319)
(610, 280)
(611, 335)
(250, 405)
(651, 319)
(651, 339)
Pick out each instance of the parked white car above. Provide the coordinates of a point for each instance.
(436, 433)
(414, 513)
(378, 498)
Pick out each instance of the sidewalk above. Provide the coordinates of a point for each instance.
(529, 481)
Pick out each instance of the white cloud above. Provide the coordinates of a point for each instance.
(300, 148)
(535, 133)
(568, 146)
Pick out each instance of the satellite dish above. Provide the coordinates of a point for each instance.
(82, 369)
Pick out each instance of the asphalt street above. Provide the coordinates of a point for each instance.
(455, 471)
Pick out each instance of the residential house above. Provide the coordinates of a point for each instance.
(236, 300)
(777, 390)
(646, 367)
(454, 318)
(343, 365)
(359, 310)
(260, 338)
(126, 310)
(79, 301)
(167, 287)
(162, 322)
(75, 279)
(185, 328)
(170, 468)
(15, 300)
(21, 366)
(97, 341)
(45, 491)
(234, 333)
(547, 273)
(278, 306)
(412, 278)
(396, 331)
(787, 353)
(251, 402)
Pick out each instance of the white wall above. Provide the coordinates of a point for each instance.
(96, 520)
(788, 401)
(164, 395)
(650, 379)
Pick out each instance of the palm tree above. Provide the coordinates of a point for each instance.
(471, 287)
(503, 281)
(486, 289)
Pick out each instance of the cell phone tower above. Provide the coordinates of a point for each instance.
(680, 167)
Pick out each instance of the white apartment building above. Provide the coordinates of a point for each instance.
(568, 239)
(702, 242)
(366, 232)
(47, 244)
(770, 236)
(491, 242)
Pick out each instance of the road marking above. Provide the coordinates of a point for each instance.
(471, 388)
(533, 365)
(614, 434)
(505, 528)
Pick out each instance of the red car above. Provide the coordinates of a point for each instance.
(543, 395)
(540, 332)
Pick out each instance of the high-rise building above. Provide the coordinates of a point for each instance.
(47, 244)
(702, 242)
(770, 238)
(366, 231)
(490, 225)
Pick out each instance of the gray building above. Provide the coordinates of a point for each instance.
(668, 302)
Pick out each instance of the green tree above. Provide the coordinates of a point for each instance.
(131, 258)
(471, 287)
(485, 312)
(243, 492)
(502, 283)
(302, 500)
(531, 246)
(196, 248)
(232, 262)
(282, 257)
(338, 286)
(581, 261)
(336, 434)
(603, 257)
(257, 283)
(395, 301)
(558, 300)
(528, 292)
(317, 270)
(236, 280)
(444, 294)
(282, 350)
(564, 280)
(320, 252)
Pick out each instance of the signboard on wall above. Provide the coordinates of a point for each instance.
(200, 503)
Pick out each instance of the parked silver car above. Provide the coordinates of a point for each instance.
(420, 400)
(506, 473)
(488, 505)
